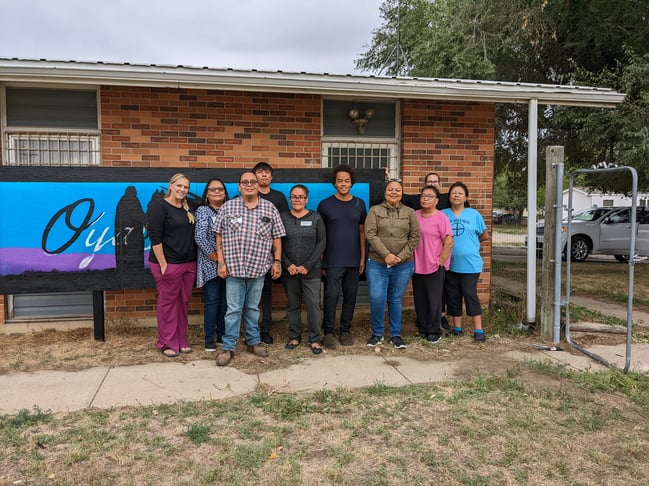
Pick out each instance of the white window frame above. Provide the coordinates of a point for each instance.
(363, 142)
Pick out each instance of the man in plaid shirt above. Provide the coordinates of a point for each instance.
(249, 234)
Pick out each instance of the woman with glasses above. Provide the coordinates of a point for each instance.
(302, 249)
(392, 232)
(432, 259)
(214, 301)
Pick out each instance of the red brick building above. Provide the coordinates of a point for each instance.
(175, 116)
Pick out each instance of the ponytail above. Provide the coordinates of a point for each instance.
(190, 215)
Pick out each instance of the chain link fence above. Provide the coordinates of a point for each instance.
(508, 236)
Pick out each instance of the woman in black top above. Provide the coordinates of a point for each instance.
(302, 249)
(173, 264)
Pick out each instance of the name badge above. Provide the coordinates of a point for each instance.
(306, 223)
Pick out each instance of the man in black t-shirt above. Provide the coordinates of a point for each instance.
(344, 257)
(264, 173)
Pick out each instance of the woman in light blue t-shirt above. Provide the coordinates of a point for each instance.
(461, 283)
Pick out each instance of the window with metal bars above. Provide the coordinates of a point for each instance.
(51, 127)
(52, 149)
(360, 155)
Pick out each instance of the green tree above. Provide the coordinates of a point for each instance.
(603, 43)
(509, 193)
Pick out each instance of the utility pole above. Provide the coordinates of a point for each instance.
(553, 158)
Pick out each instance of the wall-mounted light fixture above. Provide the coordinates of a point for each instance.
(360, 118)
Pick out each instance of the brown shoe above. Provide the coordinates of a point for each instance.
(346, 339)
(224, 358)
(258, 350)
(329, 341)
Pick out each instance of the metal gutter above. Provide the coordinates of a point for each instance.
(113, 74)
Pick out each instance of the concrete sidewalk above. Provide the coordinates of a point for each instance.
(157, 383)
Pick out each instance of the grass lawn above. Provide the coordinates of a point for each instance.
(533, 424)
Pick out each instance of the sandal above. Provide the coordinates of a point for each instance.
(292, 344)
(169, 353)
(186, 350)
(315, 348)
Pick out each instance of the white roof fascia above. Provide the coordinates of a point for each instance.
(97, 73)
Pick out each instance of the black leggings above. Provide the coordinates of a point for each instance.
(462, 286)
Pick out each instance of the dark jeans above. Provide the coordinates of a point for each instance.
(428, 290)
(337, 278)
(215, 305)
(267, 305)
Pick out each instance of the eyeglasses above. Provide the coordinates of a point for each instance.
(251, 182)
(431, 183)
(298, 198)
(216, 189)
(428, 196)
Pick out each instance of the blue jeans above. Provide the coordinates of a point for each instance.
(387, 285)
(215, 305)
(243, 296)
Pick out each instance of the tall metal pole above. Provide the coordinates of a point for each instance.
(558, 208)
(531, 209)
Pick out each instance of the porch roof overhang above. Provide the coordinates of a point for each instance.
(80, 73)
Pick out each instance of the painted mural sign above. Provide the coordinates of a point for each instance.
(70, 229)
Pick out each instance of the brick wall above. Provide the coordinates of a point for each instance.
(159, 127)
(154, 127)
(455, 140)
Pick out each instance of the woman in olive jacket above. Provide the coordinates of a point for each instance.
(392, 232)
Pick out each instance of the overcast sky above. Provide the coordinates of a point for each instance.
(315, 36)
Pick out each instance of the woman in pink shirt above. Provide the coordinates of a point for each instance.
(432, 259)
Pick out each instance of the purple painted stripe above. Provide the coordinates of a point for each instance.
(15, 261)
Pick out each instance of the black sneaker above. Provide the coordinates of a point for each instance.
(266, 338)
(219, 339)
(456, 331)
(210, 347)
(479, 337)
(375, 340)
(434, 338)
(397, 342)
(445, 325)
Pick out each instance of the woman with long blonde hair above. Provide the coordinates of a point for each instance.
(173, 264)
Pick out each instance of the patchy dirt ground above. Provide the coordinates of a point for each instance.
(77, 349)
